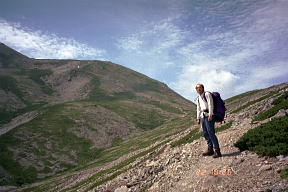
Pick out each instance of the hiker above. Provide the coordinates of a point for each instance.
(205, 117)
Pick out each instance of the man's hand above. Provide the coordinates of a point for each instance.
(198, 121)
(210, 118)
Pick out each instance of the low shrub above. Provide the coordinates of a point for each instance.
(280, 99)
(224, 127)
(268, 139)
(8, 83)
(149, 85)
(6, 116)
(254, 101)
(194, 134)
(280, 103)
(284, 173)
(237, 97)
(36, 75)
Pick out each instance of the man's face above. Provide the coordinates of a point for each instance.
(199, 89)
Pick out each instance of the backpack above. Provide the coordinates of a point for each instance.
(219, 106)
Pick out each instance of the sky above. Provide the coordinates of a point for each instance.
(229, 46)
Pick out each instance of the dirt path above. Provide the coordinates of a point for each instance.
(235, 171)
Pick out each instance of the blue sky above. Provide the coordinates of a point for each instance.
(229, 46)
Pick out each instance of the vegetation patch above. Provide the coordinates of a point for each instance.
(143, 117)
(52, 126)
(117, 141)
(148, 120)
(149, 85)
(189, 138)
(36, 75)
(123, 95)
(280, 103)
(128, 145)
(255, 101)
(161, 105)
(96, 93)
(268, 139)
(9, 84)
(115, 170)
(21, 175)
(224, 127)
(284, 173)
(6, 60)
(56, 62)
(7, 116)
(249, 93)
(280, 99)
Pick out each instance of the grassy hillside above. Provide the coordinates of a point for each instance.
(72, 134)
(22, 91)
(90, 111)
(278, 104)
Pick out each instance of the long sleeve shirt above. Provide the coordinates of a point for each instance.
(203, 106)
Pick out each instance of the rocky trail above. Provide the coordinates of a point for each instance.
(184, 169)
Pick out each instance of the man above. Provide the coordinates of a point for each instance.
(205, 117)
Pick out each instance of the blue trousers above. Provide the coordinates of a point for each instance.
(208, 128)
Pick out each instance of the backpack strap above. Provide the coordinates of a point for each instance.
(205, 96)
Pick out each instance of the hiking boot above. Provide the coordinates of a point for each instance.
(217, 153)
(209, 152)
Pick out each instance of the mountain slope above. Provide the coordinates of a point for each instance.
(167, 165)
(82, 109)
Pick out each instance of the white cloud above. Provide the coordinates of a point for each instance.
(273, 71)
(157, 37)
(131, 43)
(210, 74)
(270, 18)
(36, 44)
(150, 50)
(263, 76)
(246, 58)
(166, 34)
